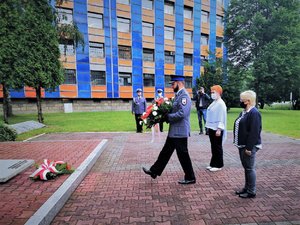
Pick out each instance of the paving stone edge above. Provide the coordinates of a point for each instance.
(46, 213)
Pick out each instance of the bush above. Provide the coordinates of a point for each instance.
(7, 133)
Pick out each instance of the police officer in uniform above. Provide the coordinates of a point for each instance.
(179, 131)
(139, 106)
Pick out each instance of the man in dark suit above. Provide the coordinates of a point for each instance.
(179, 131)
(139, 106)
(202, 102)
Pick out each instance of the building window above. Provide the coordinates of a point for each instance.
(204, 39)
(65, 16)
(169, 7)
(98, 77)
(220, 2)
(169, 57)
(125, 79)
(219, 42)
(188, 82)
(167, 81)
(123, 25)
(169, 33)
(148, 29)
(148, 55)
(188, 59)
(96, 49)
(204, 17)
(70, 76)
(125, 2)
(147, 4)
(188, 36)
(124, 52)
(95, 20)
(219, 21)
(66, 47)
(204, 59)
(188, 12)
(148, 80)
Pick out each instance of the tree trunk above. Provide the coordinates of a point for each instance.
(9, 105)
(39, 104)
(5, 103)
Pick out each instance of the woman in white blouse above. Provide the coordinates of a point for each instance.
(216, 125)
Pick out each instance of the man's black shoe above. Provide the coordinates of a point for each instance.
(149, 172)
(243, 191)
(201, 132)
(187, 181)
(247, 195)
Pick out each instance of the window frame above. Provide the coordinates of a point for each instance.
(64, 13)
(95, 17)
(73, 80)
(124, 2)
(150, 51)
(169, 5)
(188, 82)
(207, 39)
(144, 5)
(187, 56)
(70, 48)
(187, 9)
(95, 46)
(219, 40)
(124, 51)
(169, 55)
(121, 28)
(185, 32)
(219, 21)
(147, 26)
(123, 75)
(168, 29)
(204, 14)
(101, 78)
(151, 80)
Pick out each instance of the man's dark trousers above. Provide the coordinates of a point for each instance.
(180, 144)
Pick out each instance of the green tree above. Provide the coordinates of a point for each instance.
(9, 50)
(39, 65)
(262, 38)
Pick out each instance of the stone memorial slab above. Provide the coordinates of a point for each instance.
(11, 167)
(27, 126)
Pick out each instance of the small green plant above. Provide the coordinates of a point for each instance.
(7, 133)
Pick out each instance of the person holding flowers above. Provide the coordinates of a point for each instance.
(139, 106)
(160, 96)
(179, 131)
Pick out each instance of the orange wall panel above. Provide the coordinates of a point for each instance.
(97, 60)
(125, 91)
(220, 31)
(96, 31)
(204, 50)
(1, 91)
(95, 9)
(149, 92)
(189, 3)
(148, 45)
(171, 22)
(98, 91)
(68, 90)
(125, 62)
(67, 4)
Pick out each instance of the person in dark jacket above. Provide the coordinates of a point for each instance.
(138, 107)
(246, 137)
(179, 131)
(202, 102)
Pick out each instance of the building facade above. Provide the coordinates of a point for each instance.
(132, 44)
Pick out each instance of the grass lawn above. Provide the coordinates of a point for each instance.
(284, 122)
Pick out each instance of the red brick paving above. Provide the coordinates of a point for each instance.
(116, 191)
(21, 196)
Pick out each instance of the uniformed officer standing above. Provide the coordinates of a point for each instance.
(139, 106)
(179, 131)
(158, 96)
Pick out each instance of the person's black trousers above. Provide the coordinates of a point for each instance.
(139, 127)
(180, 144)
(216, 149)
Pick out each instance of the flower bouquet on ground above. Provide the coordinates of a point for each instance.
(51, 169)
(156, 112)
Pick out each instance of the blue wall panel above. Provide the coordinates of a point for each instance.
(197, 41)
(82, 55)
(225, 56)
(159, 45)
(108, 49)
(212, 33)
(137, 46)
(179, 37)
(17, 93)
(114, 44)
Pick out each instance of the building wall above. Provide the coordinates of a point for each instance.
(83, 62)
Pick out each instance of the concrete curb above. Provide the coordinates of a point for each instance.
(46, 213)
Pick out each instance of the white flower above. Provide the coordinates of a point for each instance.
(154, 113)
(166, 99)
(141, 122)
(155, 108)
(167, 102)
(144, 113)
(145, 121)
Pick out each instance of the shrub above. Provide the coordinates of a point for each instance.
(7, 133)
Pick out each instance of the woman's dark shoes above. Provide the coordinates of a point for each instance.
(243, 191)
(247, 195)
(149, 172)
(187, 181)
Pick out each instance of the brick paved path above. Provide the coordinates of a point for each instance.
(116, 191)
(20, 197)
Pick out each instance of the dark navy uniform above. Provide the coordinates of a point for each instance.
(159, 95)
(179, 131)
(139, 106)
